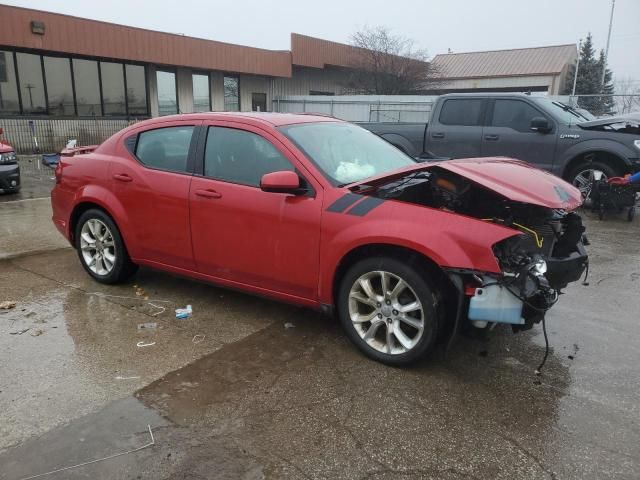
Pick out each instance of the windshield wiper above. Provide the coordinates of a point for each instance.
(394, 189)
(570, 109)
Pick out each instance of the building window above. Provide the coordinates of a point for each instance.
(9, 100)
(167, 93)
(259, 102)
(113, 99)
(31, 83)
(231, 94)
(87, 83)
(57, 73)
(201, 95)
(136, 90)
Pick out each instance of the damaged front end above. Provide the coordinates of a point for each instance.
(544, 255)
(536, 266)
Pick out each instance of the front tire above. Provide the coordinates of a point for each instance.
(388, 309)
(101, 249)
(582, 176)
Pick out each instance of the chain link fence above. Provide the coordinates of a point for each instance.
(28, 136)
(602, 105)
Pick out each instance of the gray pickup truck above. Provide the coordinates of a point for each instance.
(546, 133)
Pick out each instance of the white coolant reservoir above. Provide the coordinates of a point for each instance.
(495, 303)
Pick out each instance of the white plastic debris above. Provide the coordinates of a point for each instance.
(182, 313)
(289, 325)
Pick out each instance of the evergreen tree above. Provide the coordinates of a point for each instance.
(590, 80)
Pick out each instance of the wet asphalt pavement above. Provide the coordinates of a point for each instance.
(232, 393)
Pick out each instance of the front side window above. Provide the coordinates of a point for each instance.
(31, 83)
(136, 90)
(463, 112)
(165, 148)
(231, 94)
(346, 153)
(85, 75)
(201, 97)
(514, 114)
(167, 93)
(9, 103)
(57, 72)
(113, 88)
(238, 156)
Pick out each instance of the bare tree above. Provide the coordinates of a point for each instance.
(388, 64)
(630, 102)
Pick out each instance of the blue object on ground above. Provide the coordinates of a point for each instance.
(50, 159)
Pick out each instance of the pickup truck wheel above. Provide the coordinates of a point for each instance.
(101, 249)
(582, 176)
(388, 310)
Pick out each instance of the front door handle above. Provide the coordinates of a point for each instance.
(123, 177)
(492, 138)
(209, 193)
(437, 135)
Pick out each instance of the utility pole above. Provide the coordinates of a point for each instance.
(606, 50)
(575, 75)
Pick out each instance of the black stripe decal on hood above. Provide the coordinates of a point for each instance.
(344, 202)
(365, 206)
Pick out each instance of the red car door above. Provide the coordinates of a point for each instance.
(248, 236)
(152, 182)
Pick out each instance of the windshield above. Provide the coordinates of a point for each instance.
(565, 113)
(346, 153)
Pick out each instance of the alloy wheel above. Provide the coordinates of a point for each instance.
(97, 246)
(583, 181)
(386, 313)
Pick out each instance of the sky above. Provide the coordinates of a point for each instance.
(434, 25)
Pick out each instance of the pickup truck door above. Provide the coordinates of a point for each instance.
(508, 133)
(456, 129)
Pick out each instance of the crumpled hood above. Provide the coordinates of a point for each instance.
(630, 117)
(513, 179)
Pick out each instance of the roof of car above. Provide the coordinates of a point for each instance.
(270, 118)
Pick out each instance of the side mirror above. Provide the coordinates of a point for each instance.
(285, 181)
(540, 124)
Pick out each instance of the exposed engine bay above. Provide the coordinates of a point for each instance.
(536, 265)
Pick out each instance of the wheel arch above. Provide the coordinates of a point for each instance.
(400, 142)
(82, 207)
(607, 156)
(437, 277)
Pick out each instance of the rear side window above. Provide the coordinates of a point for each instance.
(238, 156)
(165, 148)
(514, 114)
(461, 112)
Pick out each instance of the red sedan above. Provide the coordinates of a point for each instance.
(320, 212)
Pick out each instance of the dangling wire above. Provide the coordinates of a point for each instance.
(546, 347)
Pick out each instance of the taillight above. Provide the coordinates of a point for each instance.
(58, 172)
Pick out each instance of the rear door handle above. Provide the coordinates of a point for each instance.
(437, 135)
(123, 177)
(210, 193)
(492, 137)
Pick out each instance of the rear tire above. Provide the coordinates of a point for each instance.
(396, 324)
(101, 250)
